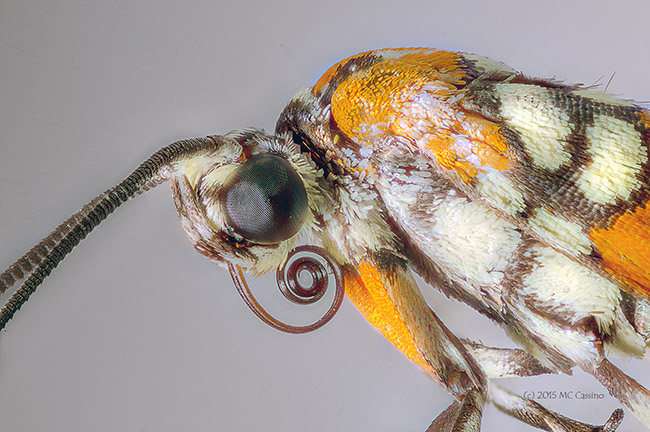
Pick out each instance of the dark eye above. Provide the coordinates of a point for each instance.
(264, 200)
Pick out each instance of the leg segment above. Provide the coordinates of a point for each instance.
(624, 388)
(384, 291)
(506, 363)
(536, 415)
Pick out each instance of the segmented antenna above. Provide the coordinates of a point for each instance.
(39, 262)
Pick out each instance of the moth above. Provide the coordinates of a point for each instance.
(524, 198)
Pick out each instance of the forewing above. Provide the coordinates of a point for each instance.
(565, 164)
(580, 171)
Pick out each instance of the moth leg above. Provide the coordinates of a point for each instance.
(525, 410)
(382, 288)
(536, 415)
(460, 416)
(624, 388)
(445, 420)
(505, 362)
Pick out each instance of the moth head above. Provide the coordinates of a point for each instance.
(243, 198)
(250, 201)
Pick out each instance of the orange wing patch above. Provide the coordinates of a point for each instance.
(380, 98)
(625, 248)
(412, 55)
(414, 96)
(368, 291)
(470, 146)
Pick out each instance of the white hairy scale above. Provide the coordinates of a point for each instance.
(355, 224)
(214, 178)
(541, 125)
(499, 191)
(194, 168)
(560, 284)
(618, 153)
(472, 241)
(559, 232)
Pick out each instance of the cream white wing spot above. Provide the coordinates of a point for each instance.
(541, 125)
(557, 283)
(560, 232)
(576, 346)
(472, 240)
(618, 154)
(496, 189)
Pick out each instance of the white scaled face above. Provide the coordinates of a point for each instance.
(251, 201)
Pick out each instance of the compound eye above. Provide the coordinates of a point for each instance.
(264, 200)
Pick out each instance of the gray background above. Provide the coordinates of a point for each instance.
(136, 331)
